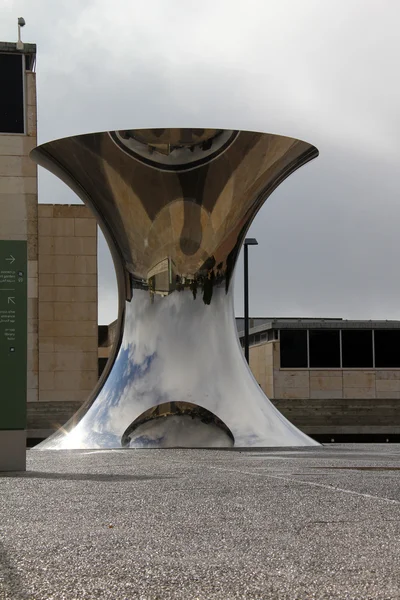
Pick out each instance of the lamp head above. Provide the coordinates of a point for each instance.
(250, 242)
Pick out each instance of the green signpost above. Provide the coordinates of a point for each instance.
(13, 334)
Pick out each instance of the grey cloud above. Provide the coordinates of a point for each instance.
(323, 72)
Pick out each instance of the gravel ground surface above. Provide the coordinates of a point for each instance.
(190, 524)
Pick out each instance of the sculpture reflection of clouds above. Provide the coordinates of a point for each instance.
(179, 349)
(179, 432)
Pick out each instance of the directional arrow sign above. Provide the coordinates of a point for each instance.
(11, 299)
(11, 259)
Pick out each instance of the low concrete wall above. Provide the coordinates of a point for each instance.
(313, 416)
(43, 418)
(342, 416)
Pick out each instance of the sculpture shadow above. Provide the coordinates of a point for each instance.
(98, 477)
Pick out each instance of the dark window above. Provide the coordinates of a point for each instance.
(387, 348)
(324, 349)
(30, 62)
(102, 335)
(101, 363)
(357, 348)
(12, 94)
(293, 349)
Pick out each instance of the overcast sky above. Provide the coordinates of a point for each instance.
(325, 72)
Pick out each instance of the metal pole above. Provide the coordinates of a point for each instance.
(246, 301)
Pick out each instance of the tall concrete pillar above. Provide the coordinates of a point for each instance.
(18, 250)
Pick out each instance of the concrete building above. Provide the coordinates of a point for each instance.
(18, 177)
(331, 377)
(18, 218)
(62, 341)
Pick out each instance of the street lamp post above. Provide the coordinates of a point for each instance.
(247, 242)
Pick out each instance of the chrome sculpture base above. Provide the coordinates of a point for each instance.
(178, 349)
(175, 206)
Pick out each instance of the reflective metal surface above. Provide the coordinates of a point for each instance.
(175, 205)
(177, 424)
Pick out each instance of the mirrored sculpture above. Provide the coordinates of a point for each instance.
(175, 206)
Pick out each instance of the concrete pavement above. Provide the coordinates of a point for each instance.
(190, 524)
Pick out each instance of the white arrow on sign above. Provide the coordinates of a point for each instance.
(11, 259)
(11, 299)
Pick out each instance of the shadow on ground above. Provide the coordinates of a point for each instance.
(83, 476)
(10, 583)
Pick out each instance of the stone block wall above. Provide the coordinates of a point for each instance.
(68, 336)
(261, 365)
(43, 418)
(342, 416)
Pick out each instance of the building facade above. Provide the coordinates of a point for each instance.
(331, 377)
(18, 205)
(67, 315)
(18, 176)
(62, 339)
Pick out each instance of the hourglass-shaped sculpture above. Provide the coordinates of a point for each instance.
(175, 206)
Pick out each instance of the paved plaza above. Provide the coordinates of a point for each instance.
(203, 524)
